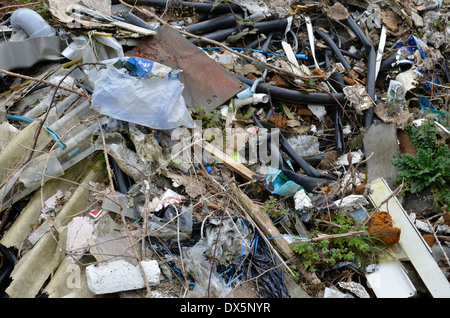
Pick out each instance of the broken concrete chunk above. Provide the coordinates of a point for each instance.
(121, 275)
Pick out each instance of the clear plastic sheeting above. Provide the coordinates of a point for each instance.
(207, 280)
(233, 242)
(144, 93)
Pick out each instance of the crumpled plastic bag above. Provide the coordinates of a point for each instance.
(141, 91)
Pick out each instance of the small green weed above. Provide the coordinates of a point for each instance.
(210, 119)
(429, 168)
(273, 209)
(329, 252)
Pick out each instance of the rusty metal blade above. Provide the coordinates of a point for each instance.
(207, 83)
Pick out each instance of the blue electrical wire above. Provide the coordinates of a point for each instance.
(298, 56)
(51, 132)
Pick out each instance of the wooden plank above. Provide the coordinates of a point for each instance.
(411, 241)
(222, 157)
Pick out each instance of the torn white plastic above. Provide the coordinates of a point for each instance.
(302, 200)
(169, 197)
(357, 156)
(318, 110)
(388, 279)
(298, 69)
(311, 40)
(380, 50)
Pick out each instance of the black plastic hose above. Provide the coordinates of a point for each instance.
(334, 48)
(266, 43)
(371, 68)
(212, 8)
(214, 24)
(295, 96)
(261, 27)
(135, 20)
(309, 183)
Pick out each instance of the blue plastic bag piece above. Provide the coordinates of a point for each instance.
(426, 105)
(430, 82)
(415, 43)
(154, 101)
(279, 184)
(142, 67)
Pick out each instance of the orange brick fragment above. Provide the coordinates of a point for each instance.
(380, 226)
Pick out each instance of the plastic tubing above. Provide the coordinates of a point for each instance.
(31, 22)
(199, 7)
(213, 24)
(286, 147)
(50, 131)
(334, 48)
(295, 96)
(262, 27)
(371, 68)
(309, 183)
(254, 99)
(135, 20)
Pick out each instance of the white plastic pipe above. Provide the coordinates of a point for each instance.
(254, 99)
(31, 22)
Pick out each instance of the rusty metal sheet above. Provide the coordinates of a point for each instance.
(207, 83)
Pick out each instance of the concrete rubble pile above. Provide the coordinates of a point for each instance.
(224, 149)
